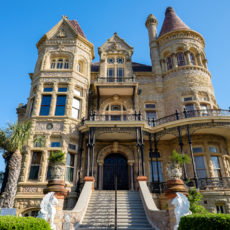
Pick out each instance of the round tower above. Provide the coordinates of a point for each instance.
(186, 79)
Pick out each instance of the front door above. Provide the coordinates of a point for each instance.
(115, 164)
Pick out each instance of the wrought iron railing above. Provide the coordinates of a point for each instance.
(93, 116)
(210, 183)
(189, 114)
(115, 79)
(203, 184)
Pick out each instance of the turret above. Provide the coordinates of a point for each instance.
(151, 25)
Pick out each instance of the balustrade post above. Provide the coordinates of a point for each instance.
(138, 152)
(142, 152)
(135, 115)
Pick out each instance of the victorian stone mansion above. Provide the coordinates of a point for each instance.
(117, 120)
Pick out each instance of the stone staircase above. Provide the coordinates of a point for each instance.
(100, 213)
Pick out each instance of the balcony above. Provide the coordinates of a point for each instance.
(122, 86)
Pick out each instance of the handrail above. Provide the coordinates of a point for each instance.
(115, 79)
(93, 116)
(115, 185)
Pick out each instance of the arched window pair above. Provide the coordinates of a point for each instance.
(59, 63)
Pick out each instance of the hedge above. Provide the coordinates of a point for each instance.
(23, 223)
(205, 222)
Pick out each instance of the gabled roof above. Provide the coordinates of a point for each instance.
(172, 22)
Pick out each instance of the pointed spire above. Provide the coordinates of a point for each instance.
(172, 22)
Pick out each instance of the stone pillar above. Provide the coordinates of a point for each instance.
(54, 99)
(69, 100)
(199, 59)
(187, 56)
(37, 101)
(209, 162)
(175, 63)
(43, 166)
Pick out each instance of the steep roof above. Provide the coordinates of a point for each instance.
(77, 27)
(137, 67)
(172, 22)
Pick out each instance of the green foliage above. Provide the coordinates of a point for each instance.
(39, 141)
(57, 157)
(205, 222)
(23, 223)
(194, 197)
(15, 136)
(180, 158)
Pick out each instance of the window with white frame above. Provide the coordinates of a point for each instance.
(157, 168)
(76, 108)
(59, 63)
(216, 166)
(200, 167)
(70, 167)
(115, 112)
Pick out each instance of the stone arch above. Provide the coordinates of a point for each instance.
(115, 148)
(83, 62)
(114, 100)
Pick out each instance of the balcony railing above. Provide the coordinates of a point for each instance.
(115, 79)
(216, 183)
(93, 116)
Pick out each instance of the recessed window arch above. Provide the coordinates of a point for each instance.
(115, 111)
(169, 61)
(180, 59)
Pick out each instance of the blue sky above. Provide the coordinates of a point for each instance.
(24, 22)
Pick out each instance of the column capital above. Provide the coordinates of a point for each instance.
(130, 162)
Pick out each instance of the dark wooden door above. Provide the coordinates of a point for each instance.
(115, 164)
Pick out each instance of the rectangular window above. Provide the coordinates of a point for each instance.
(48, 89)
(62, 89)
(60, 106)
(72, 146)
(213, 149)
(120, 74)
(150, 115)
(216, 166)
(48, 175)
(204, 109)
(197, 149)
(189, 107)
(75, 108)
(115, 117)
(155, 175)
(188, 99)
(77, 92)
(150, 106)
(70, 167)
(45, 105)
(110, 75)
(55, 144)
(35, 166)
(200, 167)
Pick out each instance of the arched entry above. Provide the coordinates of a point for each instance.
(115, 164)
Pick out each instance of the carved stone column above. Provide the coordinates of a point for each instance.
(54, 100)
(187, 56)
(44, 165)
(37, 101)
(69, 100)
(199, 59)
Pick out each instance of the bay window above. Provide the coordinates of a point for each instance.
(200, 167)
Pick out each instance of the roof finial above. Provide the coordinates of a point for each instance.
(64, 17)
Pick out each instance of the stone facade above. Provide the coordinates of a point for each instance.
(91, 110)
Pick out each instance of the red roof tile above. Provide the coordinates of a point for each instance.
(76, 27)
(172, 22)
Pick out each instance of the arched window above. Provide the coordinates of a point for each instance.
(180, 59)
(115, 112)
(80, 66)
(192, 59)
(169, 62)
(66, 66)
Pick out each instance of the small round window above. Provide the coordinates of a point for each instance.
(120, 60)
(110, 60)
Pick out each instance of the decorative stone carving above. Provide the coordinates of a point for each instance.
(182, 206)
(174, 171)
(48, 209)
(42, 126)
(57, 172)
(29, 189)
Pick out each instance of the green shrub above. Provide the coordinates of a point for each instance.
(194, 197)
(205, 222)
(56, 157)
(180, 158)
(23, 223)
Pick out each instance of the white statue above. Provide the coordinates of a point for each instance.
(182, 206)
(48, 210)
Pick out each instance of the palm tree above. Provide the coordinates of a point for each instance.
(12, 141)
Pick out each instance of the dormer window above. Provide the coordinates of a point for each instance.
(59, 63)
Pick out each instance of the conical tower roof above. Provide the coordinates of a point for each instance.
(172, 22)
